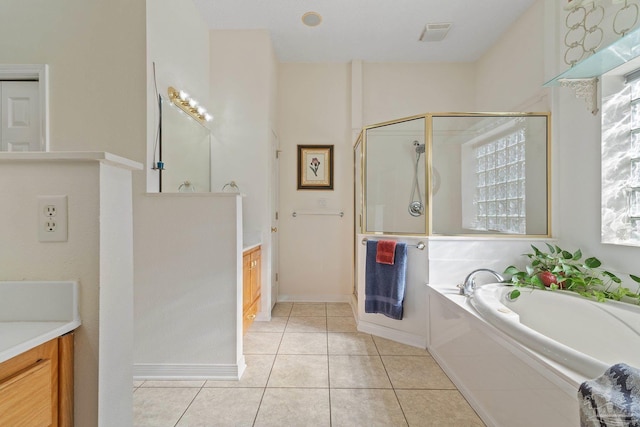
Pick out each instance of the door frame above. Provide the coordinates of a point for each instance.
(39, 73)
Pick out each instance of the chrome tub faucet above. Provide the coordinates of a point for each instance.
(469, 284)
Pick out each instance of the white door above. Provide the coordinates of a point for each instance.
(20, 111)
(275, 203)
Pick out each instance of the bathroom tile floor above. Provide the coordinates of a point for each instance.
(309, 366)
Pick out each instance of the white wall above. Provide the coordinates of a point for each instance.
(243, 74)
(577, 135)
(188, 302)
(97, 254)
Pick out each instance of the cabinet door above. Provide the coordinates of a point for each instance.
(29, 387)
(25, 398)
(246, 282)
(256, 273)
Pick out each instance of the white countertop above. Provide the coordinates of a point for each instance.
(18, 337)
(32, 313)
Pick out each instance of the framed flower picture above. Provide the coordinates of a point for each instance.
(315, 167)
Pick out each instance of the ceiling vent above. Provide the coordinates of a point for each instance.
(435, 32)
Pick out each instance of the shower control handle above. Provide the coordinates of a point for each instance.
(274, 229)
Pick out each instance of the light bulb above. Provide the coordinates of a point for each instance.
(183, 95)
(201, 111)
(208, 117)
(193, 103)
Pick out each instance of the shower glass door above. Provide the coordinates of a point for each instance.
(395, 177)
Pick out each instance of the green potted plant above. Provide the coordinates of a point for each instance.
(561, 269)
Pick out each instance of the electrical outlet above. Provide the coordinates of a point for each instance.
(52, 219)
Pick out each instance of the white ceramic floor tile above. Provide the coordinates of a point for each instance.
(160, 407)
(341, 324)
(261, 342)
(391, 348)
(299, 371)
(255, 375)
(276, 324)
(223, 407)
(309, 309)
(339, 309)
(437, 408)
(351, 344)
(357, 372)
(366, 407)
(416, 372)
(282, 309)
(297, 407)
(307, 324)
(303, 343)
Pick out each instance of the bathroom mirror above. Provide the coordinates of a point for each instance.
(458, 174)
(185, 150)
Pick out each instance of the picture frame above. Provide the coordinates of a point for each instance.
(315, 167)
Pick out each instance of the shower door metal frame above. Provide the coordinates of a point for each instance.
(428, 138)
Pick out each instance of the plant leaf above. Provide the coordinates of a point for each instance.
(612, 276)
(511, 270)
(567, 255)
(592, 262)
(635, 278)
(577, 255)
(551, 249)
(514, 294)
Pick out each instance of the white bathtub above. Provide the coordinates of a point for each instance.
(582, 335)
(508, 383)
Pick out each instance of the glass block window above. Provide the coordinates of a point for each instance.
(499, 198)
(634, 146)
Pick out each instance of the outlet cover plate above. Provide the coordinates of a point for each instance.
(52, 219)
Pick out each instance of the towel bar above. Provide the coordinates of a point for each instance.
(295, 214)
(420, 245)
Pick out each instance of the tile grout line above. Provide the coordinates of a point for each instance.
(391, 382)
(264, 389)
(190, 403)
(326, 324)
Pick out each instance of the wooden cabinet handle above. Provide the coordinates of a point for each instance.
(251, 316)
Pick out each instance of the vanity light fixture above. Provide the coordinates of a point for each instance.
(189, 105)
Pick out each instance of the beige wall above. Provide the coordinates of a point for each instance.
(395, 90)
(243, 74)
(510, 75)
(95, 51)
(96, 55)
(316, 252)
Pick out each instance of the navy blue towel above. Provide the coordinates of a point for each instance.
(384, 283)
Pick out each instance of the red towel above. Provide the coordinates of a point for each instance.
(385, 252)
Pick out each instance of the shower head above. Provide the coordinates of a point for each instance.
(419, 147)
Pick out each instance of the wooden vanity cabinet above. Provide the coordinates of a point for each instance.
(251, 270)
(36, 387)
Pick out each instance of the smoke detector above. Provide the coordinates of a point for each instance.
(435, 32)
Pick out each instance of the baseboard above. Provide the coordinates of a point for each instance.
(314, 298)
(150, 371)
(392, 334)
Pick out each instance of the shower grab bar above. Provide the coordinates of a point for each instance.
(420, 245)
(337, 213)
